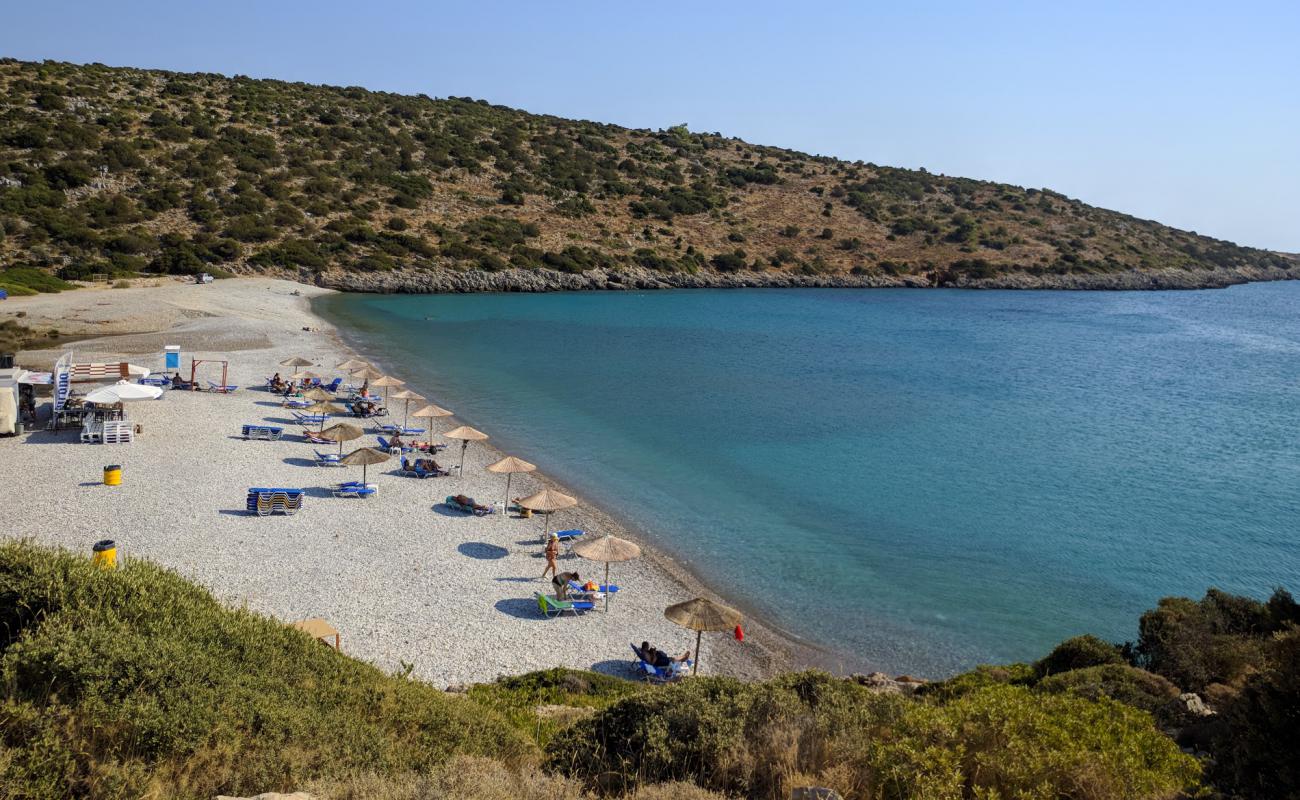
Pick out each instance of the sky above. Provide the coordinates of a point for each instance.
(1183, 112)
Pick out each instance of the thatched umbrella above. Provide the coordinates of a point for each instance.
(296, 361)
(431, 412)
(466, 434)
(341, 432)
(608, 548)
(548, 501)
(384, 382)
(510, 465)
(365, 456)
(407, 395)
(702, 615)
(324, 409)
(351, 364)
(367, 374)
(317, 393)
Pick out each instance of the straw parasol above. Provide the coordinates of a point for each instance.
(608, 549)
(466, 434)
(510, 465)
(323, 408)
(297, 361)
(702, 615)
(365, 456)
(385, 382)
(341, 432)
(317, 393)
(352, 364)
(430, 412)
(407, 395)
(367, 373)
(548, 500)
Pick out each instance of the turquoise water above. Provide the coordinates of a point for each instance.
(923, 480)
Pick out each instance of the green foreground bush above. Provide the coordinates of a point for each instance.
(757, 740)
(128, 683)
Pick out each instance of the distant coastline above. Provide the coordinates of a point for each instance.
(450, 281)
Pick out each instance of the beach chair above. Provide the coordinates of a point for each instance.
(598, 593)
(468, 506)
(161, 381)
(410, 470)
(569, 538)
(332, 386)
(650, 672)
(388, 448)
(265, 432)
(265, 502)
(312, 437)
(309, 419)
(221, 388)
(295, 402)
(391, 429)
(327, 459)
(354, 489)
(552, 607)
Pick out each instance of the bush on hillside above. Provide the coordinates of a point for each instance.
(755, 739)
(1218, 639)
(1128, 685)
(33, 279)
(983, 676)
(136, 682)
(1256, 754)
(1078, 653)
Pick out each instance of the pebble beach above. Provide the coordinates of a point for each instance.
(406, 580)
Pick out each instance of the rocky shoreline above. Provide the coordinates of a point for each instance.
(450, 281)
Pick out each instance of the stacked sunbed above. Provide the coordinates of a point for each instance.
(264, 502)
(267, 432)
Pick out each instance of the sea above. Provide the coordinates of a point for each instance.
(914, 481)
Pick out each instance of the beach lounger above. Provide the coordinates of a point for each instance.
(391, 429)
(385, 446)
(265, 502)
(221, 388)
(577, 589)
(327, 459)
(468, 506)
(552, 607)
(569, 538)
(672, 672)
(332, 386)
(161, 381)
(309, 419)
(266, 432)
(354, 489)
(295, 402)
(410, 470)
(314, 438)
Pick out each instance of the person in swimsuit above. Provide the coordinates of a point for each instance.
(552, 552)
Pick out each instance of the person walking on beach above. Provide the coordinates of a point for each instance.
(552, 552)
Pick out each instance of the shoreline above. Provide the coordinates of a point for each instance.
(449, 281)
(398, 555)
(779, 645)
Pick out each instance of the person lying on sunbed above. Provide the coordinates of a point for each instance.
(659, 658)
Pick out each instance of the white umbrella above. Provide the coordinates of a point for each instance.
(122, 392)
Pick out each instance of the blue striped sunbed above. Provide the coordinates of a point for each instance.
(265, 502)
(267, 432)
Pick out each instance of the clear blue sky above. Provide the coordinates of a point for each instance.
(1184, 112)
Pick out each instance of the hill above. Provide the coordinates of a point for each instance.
(110, 171)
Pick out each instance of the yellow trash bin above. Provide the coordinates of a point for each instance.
(105, 554)
(113, 475)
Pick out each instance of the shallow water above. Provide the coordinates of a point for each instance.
(923, 479)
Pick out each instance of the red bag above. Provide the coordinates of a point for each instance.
(740, 634)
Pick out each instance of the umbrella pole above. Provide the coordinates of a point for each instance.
(695, 668)
(464, 445)
(607, 587)
(505, 507)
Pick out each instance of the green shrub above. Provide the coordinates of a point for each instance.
(755, 739)
(1255, 754)
(136, 682)
(1128, 685)
(1078, 653)
(982, 677)
(33, 279)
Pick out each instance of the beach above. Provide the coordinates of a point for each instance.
(407, 581)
